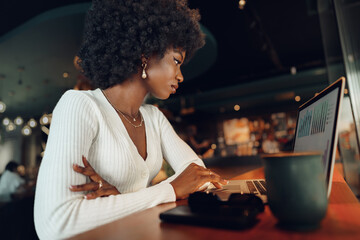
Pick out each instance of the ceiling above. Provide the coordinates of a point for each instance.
(44, 47)
(249, 48)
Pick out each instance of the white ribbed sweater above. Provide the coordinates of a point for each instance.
(84, 123)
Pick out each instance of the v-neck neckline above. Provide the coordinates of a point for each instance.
(132, 142)
(126, 133)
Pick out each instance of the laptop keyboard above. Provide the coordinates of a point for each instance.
(251, 186)
(257, 186)
(263, 183)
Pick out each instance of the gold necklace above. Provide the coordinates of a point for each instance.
(129, 116)
(124, 114)
(135, 126)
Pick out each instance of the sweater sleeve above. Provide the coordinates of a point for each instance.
(60, 213)
(175, 151)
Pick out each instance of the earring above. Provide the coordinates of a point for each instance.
(144, 75)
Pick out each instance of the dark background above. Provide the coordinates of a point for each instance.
(256, 47)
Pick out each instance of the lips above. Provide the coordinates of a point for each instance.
(173, 88)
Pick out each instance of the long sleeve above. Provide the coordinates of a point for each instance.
(76, 131)
(178, 153)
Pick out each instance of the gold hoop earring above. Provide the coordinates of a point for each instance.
(144, 75)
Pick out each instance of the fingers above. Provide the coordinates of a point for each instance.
(208, 175)
(214, 177)
(93, 195)
(102, 192)
(220, 179)
(194, 178)
(96, 190)
(92, 186)
(87, 171)
(87, 166)
(217, 179)
(85, 162)
(217, 185)
(98, 187)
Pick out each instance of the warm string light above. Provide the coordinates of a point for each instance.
(2, 104)
(242, 4)
(6, 121)
(10, 127)
(65, 75)
(45, 119)
(26, 130)
(32, 123)
(18, 121)
(45, 130)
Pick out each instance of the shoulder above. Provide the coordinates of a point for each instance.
(152, 111)
(76, 106)
(76, 96)
(6, 174)
(11, 176)
(75, 100)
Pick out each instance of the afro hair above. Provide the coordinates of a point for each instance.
(118, 32)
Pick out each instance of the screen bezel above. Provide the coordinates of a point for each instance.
(338, 84)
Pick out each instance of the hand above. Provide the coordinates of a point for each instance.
(193, 178)
(98, 186)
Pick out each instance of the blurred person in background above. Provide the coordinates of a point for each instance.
(10, 182)
(270, 145)
(287, 141)
(199, 145)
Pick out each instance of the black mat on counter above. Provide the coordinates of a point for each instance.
(183, 215)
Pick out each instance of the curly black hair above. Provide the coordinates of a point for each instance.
(118, 32)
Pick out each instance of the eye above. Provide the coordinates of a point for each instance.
(177, 62)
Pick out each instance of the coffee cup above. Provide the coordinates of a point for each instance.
(296, 189)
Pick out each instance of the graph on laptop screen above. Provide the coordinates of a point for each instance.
(316, 124)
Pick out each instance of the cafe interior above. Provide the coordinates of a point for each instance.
(239, 100)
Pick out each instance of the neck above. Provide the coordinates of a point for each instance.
(127, 96)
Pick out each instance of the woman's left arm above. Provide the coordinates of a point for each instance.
(176, 152)
(190, 172)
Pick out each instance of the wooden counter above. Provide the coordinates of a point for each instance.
(342, 221)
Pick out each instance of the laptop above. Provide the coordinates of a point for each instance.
(316, 130)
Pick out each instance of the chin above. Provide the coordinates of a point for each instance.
(161, 96)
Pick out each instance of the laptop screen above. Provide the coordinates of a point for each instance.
(317, 123)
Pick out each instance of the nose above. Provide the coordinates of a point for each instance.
(180, 77)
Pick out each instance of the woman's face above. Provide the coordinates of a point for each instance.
(164, 75)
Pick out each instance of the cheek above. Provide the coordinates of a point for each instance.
(161, 75)
(158, 85)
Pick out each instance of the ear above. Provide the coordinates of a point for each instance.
(144, 60)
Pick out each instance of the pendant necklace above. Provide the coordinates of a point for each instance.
(125, 115)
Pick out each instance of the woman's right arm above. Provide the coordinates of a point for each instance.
(60, 213)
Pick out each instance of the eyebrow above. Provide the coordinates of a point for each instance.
(177, 51)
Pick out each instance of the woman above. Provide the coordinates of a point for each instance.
(103, 144)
